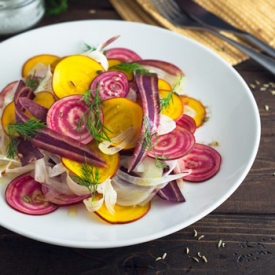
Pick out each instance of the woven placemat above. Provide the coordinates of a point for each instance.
(256, 17)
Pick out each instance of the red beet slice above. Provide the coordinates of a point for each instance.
(58, 198)
(122, 54)
(64, 115)
(24, 194)
(173, 145)
(187, 122)
(203, 161)
(171, 192)
(110, 84)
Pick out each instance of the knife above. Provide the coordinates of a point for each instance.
(209, 19)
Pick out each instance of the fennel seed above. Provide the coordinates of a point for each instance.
(158, 258)
(196, 259)
(272, 92)
(200, 237)
(164, 256)
(266, 107)
(223, 244)
(257, 82)
(252, 86)
(220, 243)
(263, 89)
(187, 249)
(195, 233)
(204, 259)
(199, 254)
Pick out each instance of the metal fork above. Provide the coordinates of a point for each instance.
(171, 11)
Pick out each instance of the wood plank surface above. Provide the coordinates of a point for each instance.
(245, 222)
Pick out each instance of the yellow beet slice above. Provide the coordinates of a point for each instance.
(123, 214)
(8, 116)
(74, 74)
(164, 85)
(45, 99)
(174, 108)
(119, 115)
(45, 59)
(112, 162)
(195, 109)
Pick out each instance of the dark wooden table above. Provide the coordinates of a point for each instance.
(245, 222)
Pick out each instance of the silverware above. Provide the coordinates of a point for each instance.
(209, 19)
(171, 11)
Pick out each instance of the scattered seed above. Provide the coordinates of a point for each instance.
(196, 259)
(199, 254)
(220, 243)
(72, 83)
(195, 233)
(204, 259)
(200, 237)
(164, 256)
(158, 258)
(252, 86)
(263, 89)
(257, 82)
(266, 107)
(266, 85)
(223, 244)
(273, 174)
(187, 250)
(92, 11)
(272, 92)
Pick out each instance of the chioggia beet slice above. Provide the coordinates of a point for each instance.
(122, 54)
(203, 161)
(187, 122)
(24, 194)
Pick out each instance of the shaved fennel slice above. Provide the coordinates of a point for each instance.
(166, 125)
(45, 85)
(76, 188)
(122, 139)
(97, 56)
(109, 198)
(39, 70)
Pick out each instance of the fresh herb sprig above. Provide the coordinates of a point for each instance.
(164, 102)
(149, 137)
(129, 67)
(26, 130)
(92, 118)
(89, 178)
(54, 7)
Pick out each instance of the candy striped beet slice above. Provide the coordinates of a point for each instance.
(64, 116)
(24, 194)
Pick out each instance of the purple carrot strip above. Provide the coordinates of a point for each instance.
(38, 111)
(171, 192)
(28, 153)
(148, 88)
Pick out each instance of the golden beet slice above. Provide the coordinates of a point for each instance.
(8, 116)
(74, 74)
(112, 162)
(123, 214)
(121, 114)
(45, 59)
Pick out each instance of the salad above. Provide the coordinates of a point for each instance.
(105, 128)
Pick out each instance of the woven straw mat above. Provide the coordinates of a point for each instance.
(254, 16)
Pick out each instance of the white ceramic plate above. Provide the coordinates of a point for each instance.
(234, 123)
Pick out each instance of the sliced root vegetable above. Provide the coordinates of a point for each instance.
(7, 94)
(122, 54)
(167, 71)
(187, 122)
(45, 99)
(119, 115)
(112, 162)
(45, 59)
(172, 104)
(173, 145)
(112, 63)
(164, 85)
(148, 89)
(110, 84)
(123, 214)
(203, 161)
(52, 195)
(25, 195)
(8, 116)
(74, 74)
(171, 192)
(195, 109)
(65, 115)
